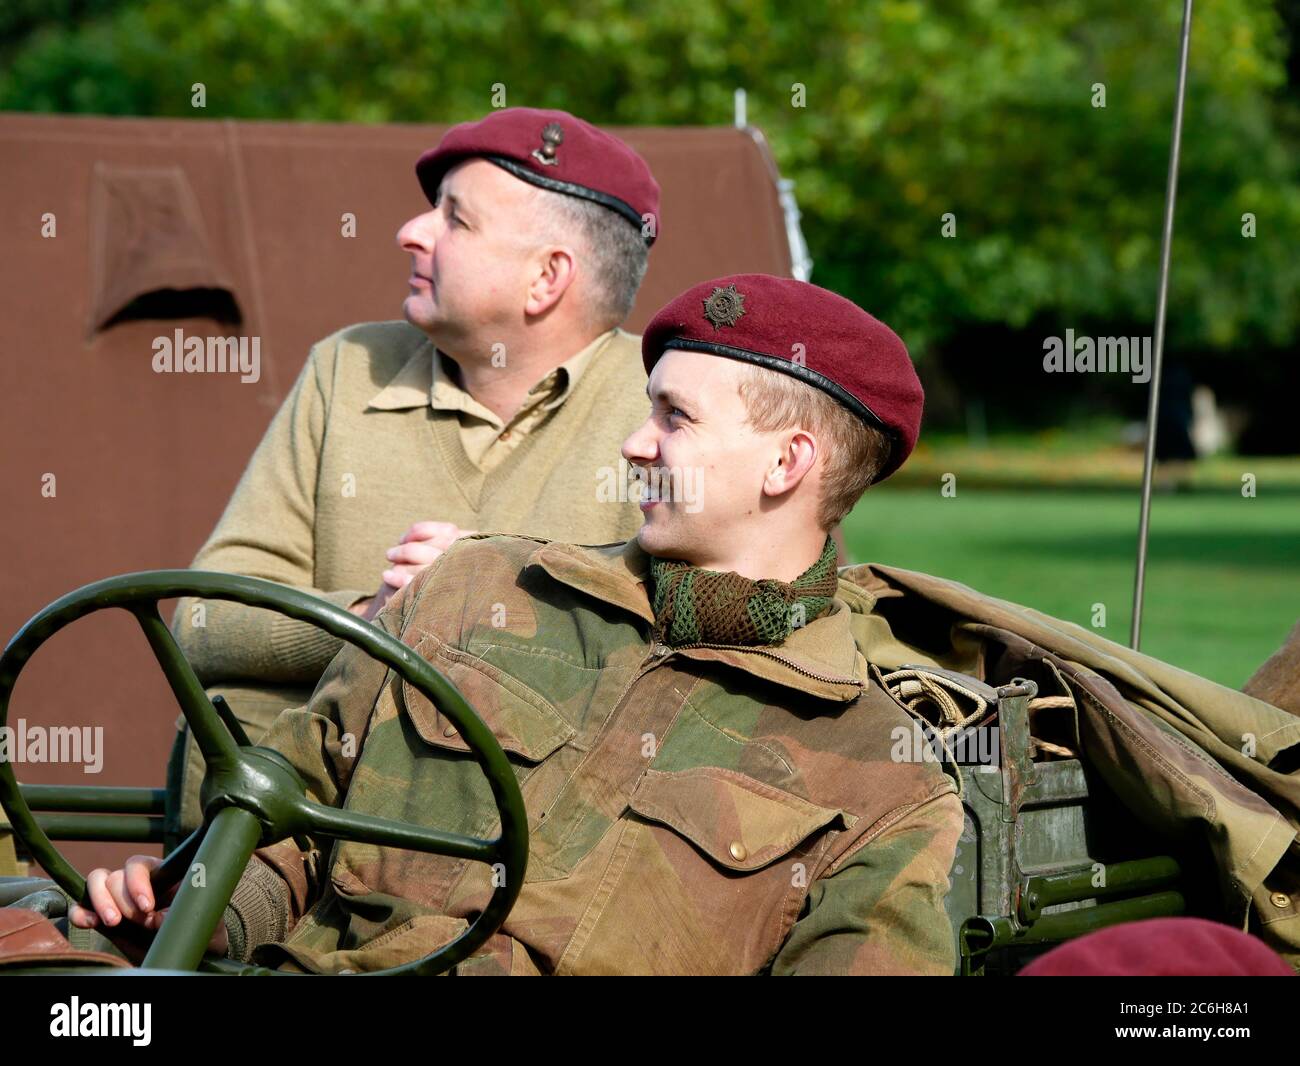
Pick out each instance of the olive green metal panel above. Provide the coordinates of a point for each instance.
(1029, 870)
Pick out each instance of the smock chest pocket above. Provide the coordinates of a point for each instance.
(524, 723)
(713, 870)
(740, 823)
(418, 768)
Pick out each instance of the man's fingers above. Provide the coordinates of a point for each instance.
(408, 560)
(417, 553)
(430, 531)
(97, 889)
(117, 890)
(399, 579)
(424, 530)
(118, 894)
(138, 887)
(81, 917)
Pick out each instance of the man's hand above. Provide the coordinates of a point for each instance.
(128, 894)
(420, 545)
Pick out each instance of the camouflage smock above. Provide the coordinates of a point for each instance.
(693, 810)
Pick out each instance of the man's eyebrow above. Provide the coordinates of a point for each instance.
(669, 395)
(456, 202)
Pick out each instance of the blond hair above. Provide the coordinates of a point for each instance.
(854, 452)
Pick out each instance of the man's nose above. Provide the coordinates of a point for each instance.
(417, 235)
(642, 443)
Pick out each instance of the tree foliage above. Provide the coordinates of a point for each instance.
(982, 109)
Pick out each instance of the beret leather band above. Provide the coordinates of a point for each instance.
(556, 185)
(785, 366)
(842, 350)
(556, 151)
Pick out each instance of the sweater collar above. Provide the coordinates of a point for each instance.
(821, 658)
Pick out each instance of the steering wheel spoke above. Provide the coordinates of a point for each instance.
(209, 731)
(363, 828)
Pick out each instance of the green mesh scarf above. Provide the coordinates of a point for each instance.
(693, 605)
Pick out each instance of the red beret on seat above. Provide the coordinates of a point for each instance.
(806, 331)
(1162, 947)
(556, 151)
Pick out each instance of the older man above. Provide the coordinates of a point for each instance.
(499, 404)
(704, 754)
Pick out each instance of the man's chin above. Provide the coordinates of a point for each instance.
(655, 540)
(416, 311)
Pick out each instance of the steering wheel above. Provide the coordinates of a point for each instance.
(253, 795)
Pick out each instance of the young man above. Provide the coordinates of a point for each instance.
(704, 753)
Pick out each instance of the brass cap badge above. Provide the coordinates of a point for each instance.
(724, 307)
(552, 138)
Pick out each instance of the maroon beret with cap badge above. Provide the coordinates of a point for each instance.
(556, 151)
(806, 331)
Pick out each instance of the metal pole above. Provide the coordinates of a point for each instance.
(1153, 406)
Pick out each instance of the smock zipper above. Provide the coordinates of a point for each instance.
(771, 655)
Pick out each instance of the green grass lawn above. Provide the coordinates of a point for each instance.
(1223, 571)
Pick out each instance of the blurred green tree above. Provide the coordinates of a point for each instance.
(889, 115)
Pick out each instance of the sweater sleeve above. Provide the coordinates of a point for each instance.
(268, 530)
(259, 912)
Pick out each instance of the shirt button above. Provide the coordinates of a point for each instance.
(738, 851)
(1280, 899)
(505, 435)
(450, 731)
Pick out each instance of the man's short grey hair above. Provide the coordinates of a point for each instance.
(613, 251)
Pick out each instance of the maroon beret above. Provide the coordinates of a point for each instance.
(1162, 947)
(806, 331)
(556, 151)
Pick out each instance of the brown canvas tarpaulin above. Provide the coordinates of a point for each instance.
(107, 466)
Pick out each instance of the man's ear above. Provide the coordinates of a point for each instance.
(556, 268)
(795, 461)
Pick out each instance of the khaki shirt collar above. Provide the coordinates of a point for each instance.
(426, 379)
(821, 658)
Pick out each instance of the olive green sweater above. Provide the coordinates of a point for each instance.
(357, 453)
